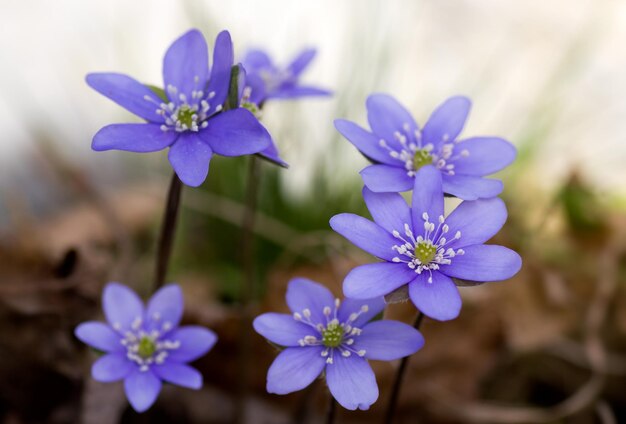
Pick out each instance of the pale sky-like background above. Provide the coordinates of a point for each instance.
(553, 72)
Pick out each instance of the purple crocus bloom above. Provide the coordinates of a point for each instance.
(422, 248)
(325, 334)
(399, 148)
(144, 346)
(190, 120)
(267, 81)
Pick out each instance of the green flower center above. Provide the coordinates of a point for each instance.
(252, 107)
(146, 347)
(425, 251)
(185, 115)
(332, 335)
(421, 158)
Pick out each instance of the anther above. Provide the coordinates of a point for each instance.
(310, 339)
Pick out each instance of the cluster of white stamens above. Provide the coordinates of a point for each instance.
(427, 252)
(333, 335)
(146, 348)
(184, 114)
(414, 154)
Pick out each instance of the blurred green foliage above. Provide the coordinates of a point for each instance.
(212, 246)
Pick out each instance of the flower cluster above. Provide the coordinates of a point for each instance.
(194, 116)
(423, 252)
(421, 248)
(324, 334)
(144, 346)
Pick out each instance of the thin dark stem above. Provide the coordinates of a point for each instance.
(302, 409)
(332, 409)
(395, 391)
(168, 229)
(248, 290)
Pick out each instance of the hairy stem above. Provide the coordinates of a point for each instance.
(395, 391)
(168, 229)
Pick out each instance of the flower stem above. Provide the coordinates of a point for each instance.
(395, 391)
(302, 410)
(248, 290)
(168, 229)
(332, 409)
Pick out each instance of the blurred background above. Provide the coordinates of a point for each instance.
(547, 346)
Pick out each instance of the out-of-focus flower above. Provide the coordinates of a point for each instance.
(422, 248)
(264, 81)
(187, 115)
(145, 346)
(324, 334)
(399, 148)
(267, 81)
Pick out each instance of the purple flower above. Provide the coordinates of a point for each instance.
(189, 120)
(267, 81)
(423, 249)
(145, 346)
(399, 148)
(324, 334)
(264, 81)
